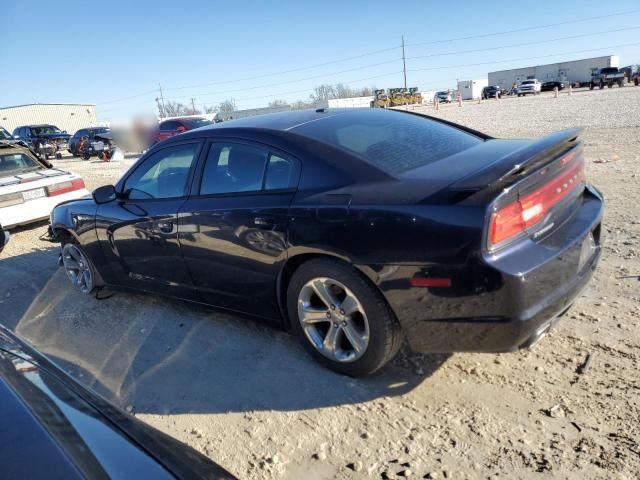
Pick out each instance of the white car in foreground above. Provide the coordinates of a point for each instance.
(531, 86)
(29, 188)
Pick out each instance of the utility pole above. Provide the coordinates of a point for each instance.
(404, 65)
(162, 100)
(193, 106)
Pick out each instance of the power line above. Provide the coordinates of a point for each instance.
(525, 29)
(525, 58)
(525, 44)
(370, 53)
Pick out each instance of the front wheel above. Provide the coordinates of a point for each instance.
(340, 318)
(79, 269)
(591, 86)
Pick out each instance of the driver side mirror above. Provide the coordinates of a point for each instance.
(104, 194)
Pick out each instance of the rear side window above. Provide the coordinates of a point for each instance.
(232, 168)
(394, 142)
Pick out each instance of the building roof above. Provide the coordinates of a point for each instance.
(49, 104)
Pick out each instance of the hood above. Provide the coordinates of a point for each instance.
(70, 430)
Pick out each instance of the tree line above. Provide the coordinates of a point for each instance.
(320, 96)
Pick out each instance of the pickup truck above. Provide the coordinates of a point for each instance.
(606, 76)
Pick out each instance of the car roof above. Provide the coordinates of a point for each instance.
(38, 125)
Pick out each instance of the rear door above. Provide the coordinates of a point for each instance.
(139, 233)
(233, 231)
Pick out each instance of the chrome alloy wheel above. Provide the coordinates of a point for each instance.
(77, 268)
(333, 320)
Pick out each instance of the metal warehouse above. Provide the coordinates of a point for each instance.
(66, 116)
(573, 71)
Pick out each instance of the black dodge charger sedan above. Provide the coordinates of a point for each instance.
(356, 229)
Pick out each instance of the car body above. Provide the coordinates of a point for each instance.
(411, 220)
(549, 86)
(444, 96)
(45, 139)
(52, 427)
(608, 76)
(529, 87)
(175, 126)
(84, 142)
(30, 188)
(492, 91)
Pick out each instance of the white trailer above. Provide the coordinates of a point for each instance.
(573, 71)
(352, 102)
(471, 89)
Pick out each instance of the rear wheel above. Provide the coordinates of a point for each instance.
(79, 269)
(591, 86)
(341, 319)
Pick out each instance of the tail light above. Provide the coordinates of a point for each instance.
(514, 218)
(65, 187)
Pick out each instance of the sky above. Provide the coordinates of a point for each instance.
(116, 54)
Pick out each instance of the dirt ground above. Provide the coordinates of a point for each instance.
(247, 395)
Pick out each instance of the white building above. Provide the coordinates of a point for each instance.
(66, 116)
(471, 89)
(573, 71)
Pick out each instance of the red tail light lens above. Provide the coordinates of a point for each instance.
(514, 218)
(65, 187)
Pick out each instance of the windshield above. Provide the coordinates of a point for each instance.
(197, 123)
(609, 70)
(99, 130)
(393, 142)
(45, 130)
(13, 163)
(4, 135)
(528, 82)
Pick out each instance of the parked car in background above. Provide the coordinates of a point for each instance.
(80, 140)
(352, 229)
(636, 79)
(93, 141)
(529, 87)
(608, 76)
(444, 96)
(30, 188)
(549, 86)
(4, 237)
(46, 140)
(176, 126)
(492, 91)
(54, 428)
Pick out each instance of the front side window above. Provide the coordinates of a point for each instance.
(163, 174)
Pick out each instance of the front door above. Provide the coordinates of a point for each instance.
(233, 232)
(139, 231)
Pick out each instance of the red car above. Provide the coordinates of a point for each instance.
(175, 126)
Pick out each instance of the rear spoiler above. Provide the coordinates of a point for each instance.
(510, 168)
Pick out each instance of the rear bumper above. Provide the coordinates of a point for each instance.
(35, 210)
(500, 303)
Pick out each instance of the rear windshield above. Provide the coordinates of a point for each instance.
(394, 142)
(4, 135)
(197, 123)
(13, 163)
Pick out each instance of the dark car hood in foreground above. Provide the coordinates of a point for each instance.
(51, 427)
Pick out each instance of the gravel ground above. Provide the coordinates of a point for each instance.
(247, 395)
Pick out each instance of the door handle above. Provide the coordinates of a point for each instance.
(165, 227)
(264, 221)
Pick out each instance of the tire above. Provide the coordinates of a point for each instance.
(86, 156)
(79, 268)
(621, 83)
(609, 85)
(601, 84)
(58, 156)
(636, 81)
(591, 86)
(372, 322)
